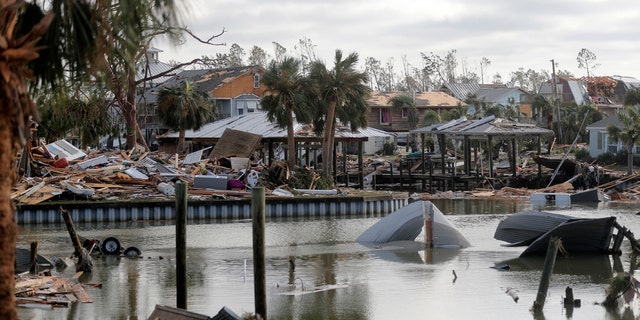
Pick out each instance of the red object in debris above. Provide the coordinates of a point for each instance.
(61, 163)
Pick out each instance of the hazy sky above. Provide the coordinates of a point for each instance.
(510, 33)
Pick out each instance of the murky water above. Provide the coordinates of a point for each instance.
(363, 284)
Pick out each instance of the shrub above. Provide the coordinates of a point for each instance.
(583, 155)
(606, 158)
(302, 180)
(389, 148)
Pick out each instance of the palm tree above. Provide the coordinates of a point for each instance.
(629, 133)
(402, 102)
(339, 90)
(632, 97)
(16, 107)
(496, 110)
(459, 111)
(431, 117)
(478, 104)
(543, 108)
(285, 99)
(185, 108)
(67, 35)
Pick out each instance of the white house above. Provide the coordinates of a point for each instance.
(599, 140)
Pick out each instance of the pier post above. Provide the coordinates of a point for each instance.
(33, 268)
(258, 204)
(181, 245)
(549, 262)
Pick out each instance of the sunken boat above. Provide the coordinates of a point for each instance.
(406, 223)
(535, 229)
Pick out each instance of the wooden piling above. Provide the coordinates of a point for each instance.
(428, 228)
(258, 205)
(33, 261)
(181, 245)
(549, 262)
(84, 259)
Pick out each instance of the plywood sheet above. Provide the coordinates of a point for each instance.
(235, 143)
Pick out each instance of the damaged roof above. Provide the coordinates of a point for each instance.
(482, 128)
(258, 123)
(430, 99)
(206, 80)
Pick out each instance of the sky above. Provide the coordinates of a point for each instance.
(512, 34)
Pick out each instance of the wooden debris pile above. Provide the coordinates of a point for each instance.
(124, 175)
(624, 188)
(48, 292)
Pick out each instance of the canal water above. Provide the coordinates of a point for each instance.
(334, 277)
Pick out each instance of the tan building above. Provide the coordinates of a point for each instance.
(384, 117)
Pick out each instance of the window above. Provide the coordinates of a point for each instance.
(252, 105)
(612, 148)
(256, 80)
(601, 138)
(385, 116)
(405, 113)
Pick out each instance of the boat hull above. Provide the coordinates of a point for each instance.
(522, 228)
(406, 223)
(578, 236)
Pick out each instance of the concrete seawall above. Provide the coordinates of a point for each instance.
(299, 207)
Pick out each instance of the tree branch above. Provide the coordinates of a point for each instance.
(208, 41)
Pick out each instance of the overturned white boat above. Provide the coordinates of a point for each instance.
(406, 223)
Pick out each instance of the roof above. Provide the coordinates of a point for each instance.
(577, 88)
(460, 90)
(206, 80)
(629, 82)
(429, 99)
(604, 123)
(496, 94)
(482, 128)
(258, 123)
(155, 67)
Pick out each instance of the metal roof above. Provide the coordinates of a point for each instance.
(258, 123)
(460, 90)
(482, 128)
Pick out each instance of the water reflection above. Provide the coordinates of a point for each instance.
(370, 284)
(596, 269)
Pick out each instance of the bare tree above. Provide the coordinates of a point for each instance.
(236, 55)
(279, 51)
(373, 69)
(307, 51)
(586, 60)
(258, 57)
(484, 64)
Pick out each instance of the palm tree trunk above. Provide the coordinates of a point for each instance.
(181, 141)
(291, 141)
(630, 158)
(327, 141)
(7, 223)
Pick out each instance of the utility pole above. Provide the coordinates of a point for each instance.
(554, 89)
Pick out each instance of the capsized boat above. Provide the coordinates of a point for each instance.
(23, 261)
(405, 224)
(578, 236)
(522, 228)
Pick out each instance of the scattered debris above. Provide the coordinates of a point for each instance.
(48, 292)
(513, 293)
